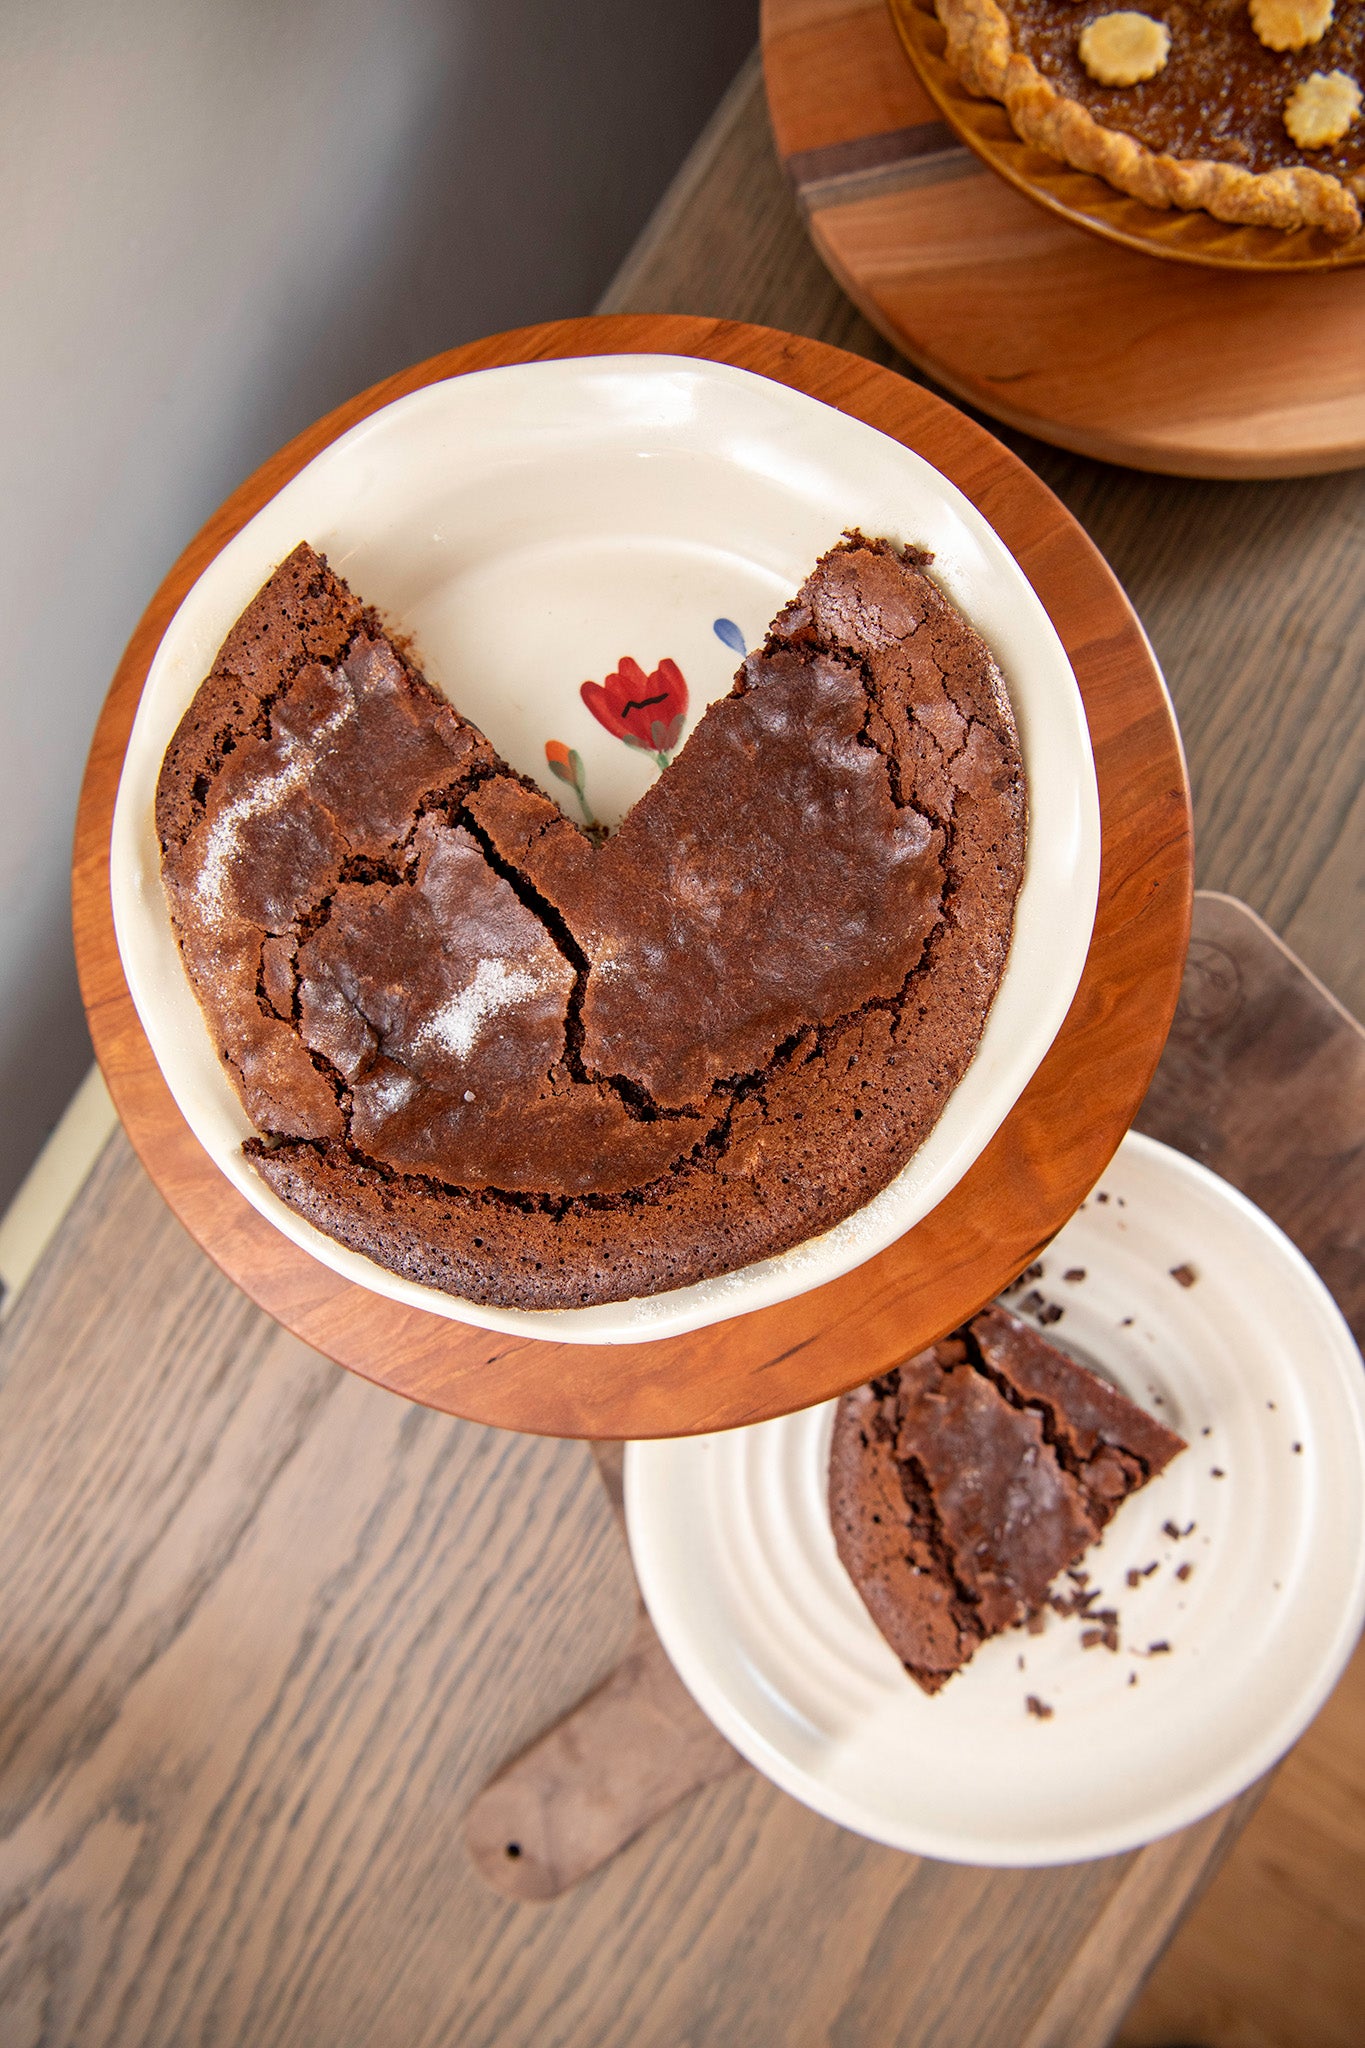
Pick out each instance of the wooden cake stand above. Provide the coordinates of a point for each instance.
(1049, 1152)
(1139, 360)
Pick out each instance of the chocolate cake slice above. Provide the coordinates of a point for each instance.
(961, 1484)
(505, 1060)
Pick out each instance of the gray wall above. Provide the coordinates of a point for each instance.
(221, 217)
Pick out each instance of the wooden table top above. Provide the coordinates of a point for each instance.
(268, 1629)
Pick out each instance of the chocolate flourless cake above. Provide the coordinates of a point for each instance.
(961, 1484)
(508, 1062)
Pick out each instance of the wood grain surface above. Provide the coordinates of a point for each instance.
(1029, 1178)
(268, 1630)
(1263, 1081)
(1138, 360)
(627, 1754)
(1273, 1955)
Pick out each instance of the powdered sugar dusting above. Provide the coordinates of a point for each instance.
(495, 987)
(386, 1094)
(224, 835)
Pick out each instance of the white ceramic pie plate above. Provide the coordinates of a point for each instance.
(732, 1544)
(528, 527)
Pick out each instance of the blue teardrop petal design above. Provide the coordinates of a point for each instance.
(728, 631)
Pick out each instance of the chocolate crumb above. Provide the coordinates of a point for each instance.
(1296, 1449)
(1050, 1313)
(1106, 1631)
(1186, 1275)
(1132, 1678)
(1021, 1663)
(1074, 1273)
(1138, 1573)
(1127, 1323)
(1270, 1404)
(1217, 1472)
(1029, 1274)
(1182, 1571)
(1207, 1430)
(1031, 1302)
(1101, 1198)
(1176, 1535)
(1161, 1649)
(1038, 1708)
(1081, 1605)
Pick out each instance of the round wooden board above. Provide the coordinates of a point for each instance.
(1047, 326)
(1052, 1148)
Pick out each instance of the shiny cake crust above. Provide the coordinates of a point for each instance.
(538, 1073)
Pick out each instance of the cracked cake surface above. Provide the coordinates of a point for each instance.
(508, 1061)
(962, 1483)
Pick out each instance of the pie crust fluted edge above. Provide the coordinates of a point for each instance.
(981, 51)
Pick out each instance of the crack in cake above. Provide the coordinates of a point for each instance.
(962, 1483)
(533, 1070)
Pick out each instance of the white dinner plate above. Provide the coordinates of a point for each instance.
(529, 527)
(1255, 1367)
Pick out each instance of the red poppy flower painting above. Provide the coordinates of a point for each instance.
(646, 711)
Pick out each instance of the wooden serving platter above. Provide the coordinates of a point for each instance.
(1086, 343)
(1054, 1144)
